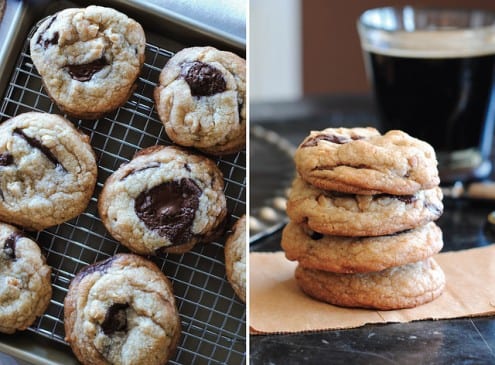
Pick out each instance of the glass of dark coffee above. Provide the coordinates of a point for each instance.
(432, 72)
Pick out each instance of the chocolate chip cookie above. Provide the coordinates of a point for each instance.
(89, 59)
(121, 311)
(361, 161)
(201, 100)
(340, 214)
(47, 170)
(25, 288)
(235, 258)
(395, 288)
(165, 199)
(360, 254)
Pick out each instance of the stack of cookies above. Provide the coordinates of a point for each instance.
(362, 212)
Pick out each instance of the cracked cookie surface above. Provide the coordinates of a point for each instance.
(360, 254)
(47, 170)
(235, 258)
(395, 288)
(201, 100)
(166, 199)
(342, 214)
(121, 311)
(25, 287)
(361, 161)
(89, 59)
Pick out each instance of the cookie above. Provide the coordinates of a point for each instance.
(235, 258)
(361, 161)
(165, 199)
(47, 170)
(89, 59)
(395, 288)
(340, 214)
(360, 254)
(201, 100)
(121, 311)
(25, 287)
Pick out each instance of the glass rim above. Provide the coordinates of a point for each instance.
(363, 23)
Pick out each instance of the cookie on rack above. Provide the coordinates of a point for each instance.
(121, 311)
(235, 258)
(89, 59)
(47, 170)
(201, 100)
(398, 287)
(25, 286)
(166, 199)
(341, 214)
(362, 161)
(360, 254)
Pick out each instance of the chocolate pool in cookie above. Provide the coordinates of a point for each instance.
(89, 59)
(164, 200)
(201, 100)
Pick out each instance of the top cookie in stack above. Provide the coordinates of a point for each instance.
(360, 191)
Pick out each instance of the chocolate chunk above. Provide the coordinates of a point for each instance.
(6, 159)
(152, 165)
(187, 167)
(54, 40)
(313, 141)
(169, 209)
(408, 199)
(9, 245)
(34, 143)
(203, 79)
(85, 72)
(316, 236)
(115, 319)
(98, 267)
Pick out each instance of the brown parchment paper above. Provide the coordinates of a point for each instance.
(277, 305)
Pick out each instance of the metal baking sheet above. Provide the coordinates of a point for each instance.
(213, 319)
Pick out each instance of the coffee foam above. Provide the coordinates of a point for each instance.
(431, 44)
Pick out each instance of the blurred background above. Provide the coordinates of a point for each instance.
(311, 47)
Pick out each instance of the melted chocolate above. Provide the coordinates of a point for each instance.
(34, 143)
(152, 165)
(85, 72)
(9, 245)
(313, 141)
(316, 236)
(47, 42)
(203, 79)
(6, 159)
(169, 209)
(408, 199)
(98, 267)
(115, 319)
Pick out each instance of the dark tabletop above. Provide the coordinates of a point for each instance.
(459, 341)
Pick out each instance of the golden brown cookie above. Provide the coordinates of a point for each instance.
(47, 170)
(89, 59)
(201, 100)
(25, 286)
(121, 311)
(361, 161)
(166, 199)
(235, 258)
(341, 214)
(395, 288)
(360, 254)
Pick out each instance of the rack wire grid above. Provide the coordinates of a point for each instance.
(213, 319)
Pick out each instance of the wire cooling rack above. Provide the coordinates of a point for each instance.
(213, 319)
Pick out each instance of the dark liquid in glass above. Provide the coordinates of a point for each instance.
(444, 101)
